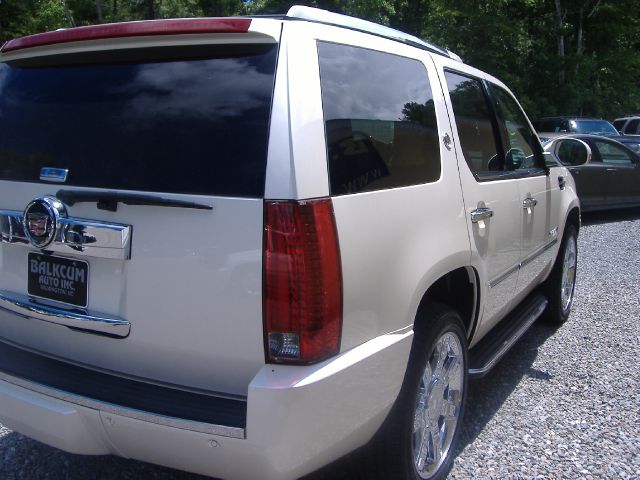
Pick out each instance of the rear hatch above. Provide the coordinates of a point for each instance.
(164, 148)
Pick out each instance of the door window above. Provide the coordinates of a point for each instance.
(518, 139)
(613, 154)
(475, 124)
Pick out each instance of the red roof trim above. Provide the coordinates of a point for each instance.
(131, 29)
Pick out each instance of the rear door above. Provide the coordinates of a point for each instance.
(491, 196)
(622, 170)
(157, 158)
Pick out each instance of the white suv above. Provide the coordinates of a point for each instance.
(244, 247)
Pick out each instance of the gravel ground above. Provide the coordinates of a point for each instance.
(563, 404)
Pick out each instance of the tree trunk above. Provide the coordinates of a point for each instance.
(150, 13)
(99, 11)
(67, 14)
(560, 39)
(580, 47)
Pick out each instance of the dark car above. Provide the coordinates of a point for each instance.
(550, 127)
(606, 172)
(631, 141)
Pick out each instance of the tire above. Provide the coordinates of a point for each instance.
(561, 283)
(418, 439)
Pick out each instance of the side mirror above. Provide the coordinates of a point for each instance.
(571, 152)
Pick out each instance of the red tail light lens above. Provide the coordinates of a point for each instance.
(302, 282)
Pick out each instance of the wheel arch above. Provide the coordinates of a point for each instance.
(457, 289)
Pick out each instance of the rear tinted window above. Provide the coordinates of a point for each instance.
(380, 120)
(632, 126)
(190, 125)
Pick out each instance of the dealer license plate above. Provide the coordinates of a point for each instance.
(61, 279)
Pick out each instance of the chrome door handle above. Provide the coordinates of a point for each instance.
(482, 213)
(611, 170)
(529, 202)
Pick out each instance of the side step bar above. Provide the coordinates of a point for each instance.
(488, 352)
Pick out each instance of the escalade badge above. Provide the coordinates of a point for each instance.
(41, 220)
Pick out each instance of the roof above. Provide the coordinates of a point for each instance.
(215, 25)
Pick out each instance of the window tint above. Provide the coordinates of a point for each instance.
(519, 143)
(572, 152)
(619, 124)
(197, 125)
(632, 126)
(379, 118)
(473, 119)
(614, 154)
(592, 126)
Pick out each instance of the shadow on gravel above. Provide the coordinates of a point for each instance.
(485, 396)
(610, 216)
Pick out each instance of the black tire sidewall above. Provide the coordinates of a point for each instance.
(555, 313)
(441, 320)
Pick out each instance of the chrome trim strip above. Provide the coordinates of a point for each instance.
(76, 318)
(74, 236)
(200, 427)
(506, 346)
(539, 252)
(503, 276)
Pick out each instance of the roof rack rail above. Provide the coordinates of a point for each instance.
(318, 15)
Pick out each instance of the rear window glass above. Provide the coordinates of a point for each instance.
(380, 120)
(195, 123)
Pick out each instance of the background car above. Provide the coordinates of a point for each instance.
(631, 141)
(550, 127)
(606, 172)
(629, 125)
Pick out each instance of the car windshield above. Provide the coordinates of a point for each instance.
(593, 126)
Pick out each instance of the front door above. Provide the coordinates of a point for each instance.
(539, 196)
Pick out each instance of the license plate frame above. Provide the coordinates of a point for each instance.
(58, 279)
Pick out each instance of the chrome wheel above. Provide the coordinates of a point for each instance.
(438, 405)
(568, 278)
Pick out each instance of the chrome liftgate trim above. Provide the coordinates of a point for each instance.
(75, 318)
(75, 236)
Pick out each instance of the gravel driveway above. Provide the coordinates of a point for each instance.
(564, 403)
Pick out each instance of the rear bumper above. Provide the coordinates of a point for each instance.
(297, 418)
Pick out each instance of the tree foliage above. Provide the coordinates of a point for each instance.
(559, 56)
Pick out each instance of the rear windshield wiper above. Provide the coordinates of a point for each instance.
(109, 200)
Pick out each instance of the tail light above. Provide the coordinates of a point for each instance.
(302, 282)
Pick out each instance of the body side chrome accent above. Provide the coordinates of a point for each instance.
(76, 318)
(494, 282)
(191, 425)
(75, 235)
(503, 276)
(538, 252)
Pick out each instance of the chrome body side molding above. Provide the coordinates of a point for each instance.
(95, 322)
(503, 276)
(73, 235)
